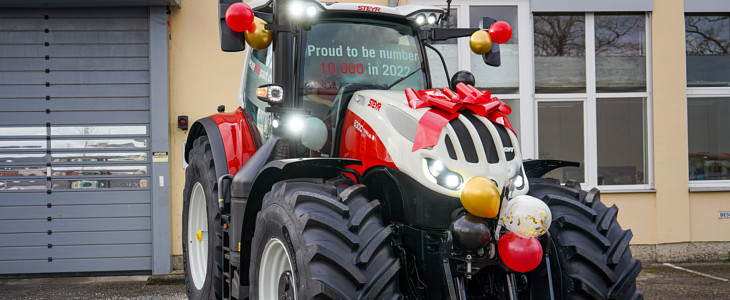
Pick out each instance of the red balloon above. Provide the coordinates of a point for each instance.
(518, 253)
(500, 32)
(239, 17)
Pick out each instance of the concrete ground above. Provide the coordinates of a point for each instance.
(657, 281)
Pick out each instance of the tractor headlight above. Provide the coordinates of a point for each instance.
(519, 181)
(442, 175)
(420, 19)
(298, 9)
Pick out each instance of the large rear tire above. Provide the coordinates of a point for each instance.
(325, 237)
(201, 240)
(589, 254)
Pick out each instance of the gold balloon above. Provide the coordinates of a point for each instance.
(258, 37)
(480, 197)
(480, 42)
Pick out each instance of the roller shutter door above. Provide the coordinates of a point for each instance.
(75, 140)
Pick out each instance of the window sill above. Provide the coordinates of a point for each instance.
(717, 186)
(625, 190)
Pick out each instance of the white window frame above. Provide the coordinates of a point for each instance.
(589, 99)
(707, 185)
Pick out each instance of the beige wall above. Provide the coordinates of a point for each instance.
(705, 224)
(637, 211)
(670, 122)
(201, 78)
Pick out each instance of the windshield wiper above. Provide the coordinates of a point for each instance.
(403, 78)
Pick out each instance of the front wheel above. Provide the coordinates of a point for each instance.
(322, 240)
(201, 240)
(589, 254)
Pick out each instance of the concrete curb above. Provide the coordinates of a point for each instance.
(175, 278)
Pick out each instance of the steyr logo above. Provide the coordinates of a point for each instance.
(374, 104)
(368, 8)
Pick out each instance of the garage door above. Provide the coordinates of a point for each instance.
(75, 153)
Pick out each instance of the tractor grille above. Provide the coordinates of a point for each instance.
(488, 142)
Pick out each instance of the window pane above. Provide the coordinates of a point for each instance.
(101, 157)
(620, 53)
(22, 185)
(22, 130)
(505, 78)
(709, 138)
(98, 130)
(560, 64)
(99, 183)
(560, 134)
(99, 144)
(621, 141)
(708, 49)
(449, 49)
(514, 117)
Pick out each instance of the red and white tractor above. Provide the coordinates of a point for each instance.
(345, 174)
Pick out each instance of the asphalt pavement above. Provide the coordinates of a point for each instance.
(657, 281)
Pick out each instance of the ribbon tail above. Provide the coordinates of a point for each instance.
(501, 119)
(429, 128)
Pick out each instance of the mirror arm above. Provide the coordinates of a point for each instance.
(443, 62)
(442, 34)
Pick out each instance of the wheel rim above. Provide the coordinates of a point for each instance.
(198, 236)
(274, 262)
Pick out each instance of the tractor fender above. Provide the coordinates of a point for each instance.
(537, 168)
(256, 178)
(233, 139)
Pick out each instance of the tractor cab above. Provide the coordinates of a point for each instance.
(335, 50)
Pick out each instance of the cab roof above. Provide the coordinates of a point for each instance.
(403, 10)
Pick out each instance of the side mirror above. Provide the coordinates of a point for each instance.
(491, 58)
(231, 41)
(462, 76)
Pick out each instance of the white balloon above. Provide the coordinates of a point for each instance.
(527, 216)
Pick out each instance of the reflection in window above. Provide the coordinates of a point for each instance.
(91, 184)
(22, 171)
(560, 64)
(99, 157)
(98, 130)
(709, 138)
(505, 78)
(22, 158)
(449, 49)
(621, 139)
(22, 185)
(22, 144)
(707, 42)
(22, 130)
(99, 170)
(99, 144)
(620, 53)
(560, 134)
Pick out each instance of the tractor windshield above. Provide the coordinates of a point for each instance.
(341, 57)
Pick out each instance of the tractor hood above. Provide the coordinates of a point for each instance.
(468, 146)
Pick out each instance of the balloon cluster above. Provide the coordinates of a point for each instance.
(481, 41)
(239, 17)
(527, 218)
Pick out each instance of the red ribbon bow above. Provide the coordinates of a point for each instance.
(447, 105)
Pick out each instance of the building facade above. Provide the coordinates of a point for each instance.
(91, 159)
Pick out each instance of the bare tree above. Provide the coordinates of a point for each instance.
(707, 35)
(559, 35)
(619, 35)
